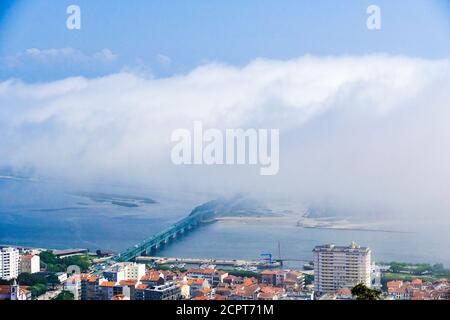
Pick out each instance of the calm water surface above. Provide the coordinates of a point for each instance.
(50, 215)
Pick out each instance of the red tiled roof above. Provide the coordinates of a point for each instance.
(272, 272)
(344, 292)
(392, 284)
(5, 289)
(266, 295)
(141, 286)
(198, 281)
(269, 289)
(152, 276)
(249, 281)
(202, 271)
(108, 284)
(268, 273)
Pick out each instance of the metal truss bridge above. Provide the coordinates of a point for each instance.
(161, 238)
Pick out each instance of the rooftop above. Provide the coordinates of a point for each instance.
(353, 247)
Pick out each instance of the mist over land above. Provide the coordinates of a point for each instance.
(362, 135)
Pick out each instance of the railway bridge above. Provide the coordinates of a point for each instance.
(161, 238)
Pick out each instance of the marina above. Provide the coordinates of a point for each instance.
(243, 264)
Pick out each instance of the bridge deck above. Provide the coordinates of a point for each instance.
(163, 236)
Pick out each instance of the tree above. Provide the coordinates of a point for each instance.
(362, 292)
(55, 264)
(65, 295)
(38, 289)
(26, 279)
(309, 279)
(53, 280)
(48, 257)
(81, 261)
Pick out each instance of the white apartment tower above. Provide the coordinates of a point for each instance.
(338, 267)
(9, 263)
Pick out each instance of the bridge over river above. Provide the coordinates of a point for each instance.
(202, 214)
(161, 238)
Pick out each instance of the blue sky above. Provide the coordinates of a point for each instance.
(183, 34)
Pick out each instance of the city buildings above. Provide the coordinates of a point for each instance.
(14, 292)
(9, 263)
(30, 264)
(337, 269)
(341, 267)
(273, 277)
(168, 291)
(417, 289)
(73, 285)
(213, 276)
(125, 271)
(89, 285)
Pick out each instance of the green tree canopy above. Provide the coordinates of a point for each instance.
(65, 295)
(26, 279)
(38, 289)
(362, 292)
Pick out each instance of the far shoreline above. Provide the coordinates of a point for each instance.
(309, 223)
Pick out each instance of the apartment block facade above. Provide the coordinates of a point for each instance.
(30, 264)
(341, 267)
(9, 263)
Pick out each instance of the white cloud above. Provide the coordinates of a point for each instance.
(163, 59)
(58, 55)
(105, 55)
(367, 133)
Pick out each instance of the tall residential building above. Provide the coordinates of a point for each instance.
(30, 264)
(9, 263)
(339, 267)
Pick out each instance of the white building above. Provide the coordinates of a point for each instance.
(9, 263)
(125, 271)
(213, 276)
(73, 285)
(338, 267)
(134, 271)
(30, 264)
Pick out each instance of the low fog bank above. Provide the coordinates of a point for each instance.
(363, 136)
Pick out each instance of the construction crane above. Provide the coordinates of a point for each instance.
(269, 256)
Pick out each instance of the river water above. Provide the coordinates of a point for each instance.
(42, 215)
